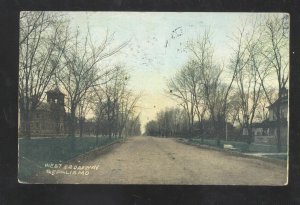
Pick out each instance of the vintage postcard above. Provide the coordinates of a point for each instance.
(185, 98)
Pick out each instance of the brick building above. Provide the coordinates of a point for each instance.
(49, 119)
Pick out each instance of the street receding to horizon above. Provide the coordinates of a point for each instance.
(150, 160)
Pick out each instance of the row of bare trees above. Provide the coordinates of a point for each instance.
(116, 106)
(240, 90)
(52, 54)
(199, 87)
(169, 122)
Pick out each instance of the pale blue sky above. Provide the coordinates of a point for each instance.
(152, 55)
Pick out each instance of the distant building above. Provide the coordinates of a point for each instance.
(266, 131)
(50, 118)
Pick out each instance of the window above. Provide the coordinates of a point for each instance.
(272, 131)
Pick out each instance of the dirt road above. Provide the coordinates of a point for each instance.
(149, 160)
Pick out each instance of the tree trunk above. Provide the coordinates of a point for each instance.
(73, 129)
(81, 121)
(109, 133)
(97, 139)
(278, 127)
(219, 130)
(250, 136)
(97, 130)
(120, 133)
(27, 125)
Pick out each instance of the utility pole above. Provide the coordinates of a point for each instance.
(226, 130)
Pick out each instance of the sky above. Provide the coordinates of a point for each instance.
(156, 46)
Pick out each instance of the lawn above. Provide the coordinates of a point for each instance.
(244, 147)
(34, 153)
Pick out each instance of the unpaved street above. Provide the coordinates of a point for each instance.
(149, 160)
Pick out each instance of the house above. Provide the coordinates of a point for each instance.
(266, 131)
(49, 119)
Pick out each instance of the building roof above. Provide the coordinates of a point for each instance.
(281, 100)
(55, 91)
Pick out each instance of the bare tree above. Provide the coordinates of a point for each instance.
(249, 79)
(39, 56)
(111, 93)
(185, 87)
(207, 73)
(81, 70)
(264, 48)
(152, 128)
(262, 110)
(249, 92)
(234, 109)
(133, 126)
(169, 122)
(84, 107)
(214, 92)
(198, 84)
(116, 105)
(275, 39)
(99, 111)
(128, 105)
